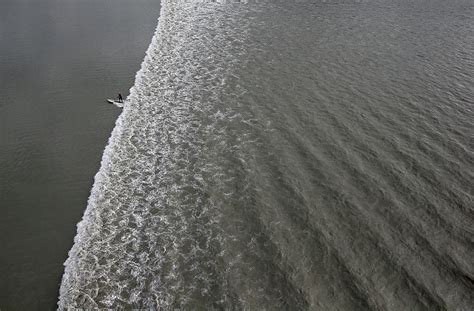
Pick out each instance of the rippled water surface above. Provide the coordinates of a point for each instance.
(289, 155)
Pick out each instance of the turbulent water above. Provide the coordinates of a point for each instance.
(289, 155)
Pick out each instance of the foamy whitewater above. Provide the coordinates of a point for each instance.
(289, 155)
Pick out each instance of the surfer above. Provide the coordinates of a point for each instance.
(120, 99)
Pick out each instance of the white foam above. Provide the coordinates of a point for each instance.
(148, 224)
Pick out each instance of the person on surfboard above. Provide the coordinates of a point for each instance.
(120, 99)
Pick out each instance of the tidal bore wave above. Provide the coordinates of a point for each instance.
(288, 155)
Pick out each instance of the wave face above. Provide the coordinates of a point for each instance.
(288, 155)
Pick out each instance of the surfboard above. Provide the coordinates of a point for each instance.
(115, 102)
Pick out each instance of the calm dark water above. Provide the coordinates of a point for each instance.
(59, 61)
(289, 155)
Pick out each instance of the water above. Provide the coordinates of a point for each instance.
(59, 61)
(289, 155)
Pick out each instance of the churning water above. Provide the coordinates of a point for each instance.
(289, 155)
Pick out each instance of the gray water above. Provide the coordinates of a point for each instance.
(59, 61)
(289, 155)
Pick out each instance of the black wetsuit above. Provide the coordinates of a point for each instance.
(120, 98)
